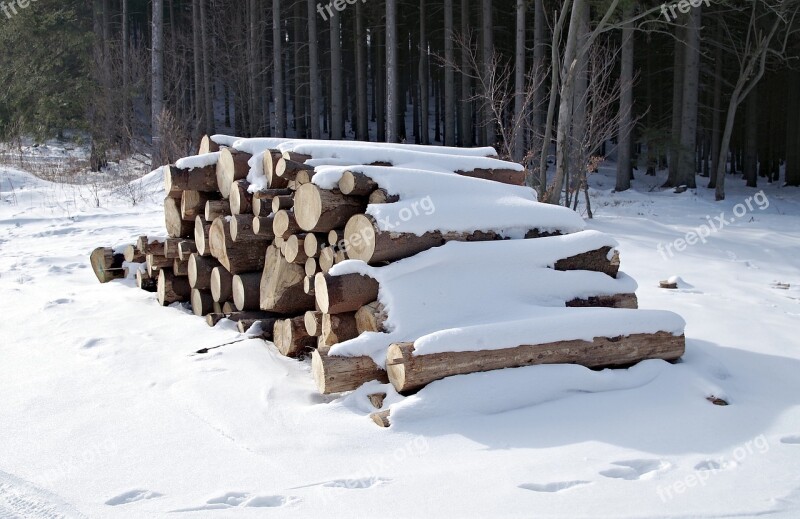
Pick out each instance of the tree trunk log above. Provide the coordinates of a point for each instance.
(341, 294)
(340, 374)
(221, 284)
(408, 372)
(193, 204)
(106, 265)
(172, 289)
(241, 200)
(337, 328)
(145, 281)
(313, 322)
(371, 318)
(185, 249)
(263, 226)
(216, 208)
(295, 249)
(200, 268)
(320, 210)
(241, 230)
(202, 303)
(177, 227)
(199, 179)
(231, 166)
(246, 291)
(202, 228)
(285, 224)
(291, 338)
(132, 254)
(282, 286)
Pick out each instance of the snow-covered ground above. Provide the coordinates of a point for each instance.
(106, 410)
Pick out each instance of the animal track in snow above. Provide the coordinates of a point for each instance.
(357, 483)
(556, 486)
(132, 496)
(635, 469)
(791, 440)
(242, 500)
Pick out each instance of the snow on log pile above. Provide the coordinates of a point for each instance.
(398, 263)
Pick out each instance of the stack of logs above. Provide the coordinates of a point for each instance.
(264, 258)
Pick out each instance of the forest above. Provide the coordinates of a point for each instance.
(706, 89)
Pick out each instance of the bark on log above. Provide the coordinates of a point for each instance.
(337, 328)
(270, 162)
(241, 200)
(339, 374)
(198, 179)
(408, 372)
(172, 288)
(261, 207)
(200, 268)
(284, 224)
(304, 176)
(371, 318)
(282, 202)
(381, 196)
(269, 194)
(221, 284)
(180, 268)
(193, 204)
(504, 176)
(288, 169)
(356, 184)
(596, 261)
(341, 294)
(177, 227)
(247, 291)
(219, 237)
(295, 157)
(336, 238)
(282, 286)
(216, 208)
(243, 257)
(171, 250)
(202, 303)
(364, 241)
(150, 246)
(132, 254)
(231, 166)
(155, 262)
(291, 338)
(263, 226)
(615, 301)
(295, 249)
(213, 319)
(107, 265)
(185, 250)
(242, 230)
(202, 228)
(321, 210)
(267, 326)
(228, 308)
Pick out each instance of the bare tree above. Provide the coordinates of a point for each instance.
(766, 20)
(157, 71)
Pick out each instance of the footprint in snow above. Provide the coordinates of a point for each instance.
(635, 469)
(357, 483)
(791, 440)
(132, 496)
(557, 486)
(57, 302)
(242, 500)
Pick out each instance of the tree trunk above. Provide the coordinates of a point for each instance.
(362, 115)
(751, 139)
(519, 82)
(392, 73)
(336, 94)
(208, 76)
(465, 135)
(716, 116)
(157, 73)
(624, 168)
(677, 104)
(793, 131)
(313, 69)
(424, 75)
(278, 92)
(687, 166)
(487, 55)
(449, 77)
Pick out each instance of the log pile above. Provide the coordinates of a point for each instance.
(263, 257)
